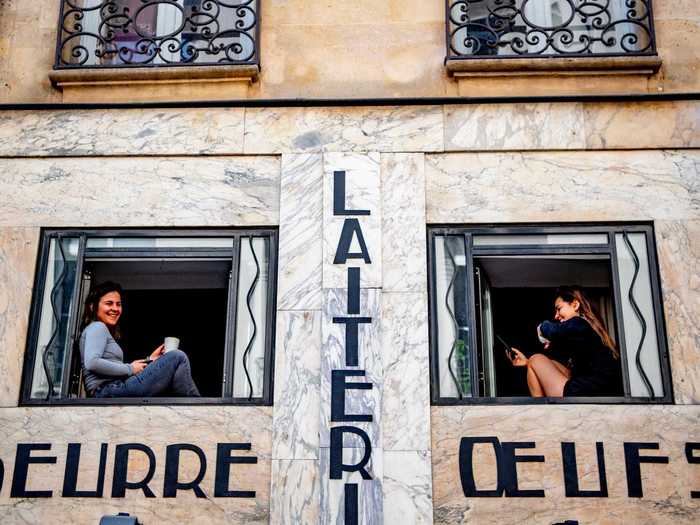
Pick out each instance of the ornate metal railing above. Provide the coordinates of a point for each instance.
(118, 33)
(527, 28)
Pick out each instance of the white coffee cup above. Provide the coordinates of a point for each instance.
(171, 343)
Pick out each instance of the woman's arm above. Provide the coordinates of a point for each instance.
(96, 338)
(574, 328)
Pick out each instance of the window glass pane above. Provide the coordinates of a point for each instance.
(56, 312)
(642, 348)
(452, 319)
(159, 242)
(540, 239)
(251, 318)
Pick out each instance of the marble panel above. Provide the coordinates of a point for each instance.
(177, 191)
(400, 128)
(403, 222)
(155, 427)
(408, 487)
(562, 186)
(370, 493)
(301, 232)
(195, 131)
(653, 125)
(369, 358)
(406, 387)
(297, 385)
(678, 251)
(536, 126)
(362, 192)
(666, 487)
(296, 491)
(18, 249)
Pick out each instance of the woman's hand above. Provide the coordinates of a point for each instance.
(516, 357)
(157, 353)
(138, 366)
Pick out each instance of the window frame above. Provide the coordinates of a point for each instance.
(42, 262)
(609, 229)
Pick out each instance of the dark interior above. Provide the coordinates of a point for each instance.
(186, 299)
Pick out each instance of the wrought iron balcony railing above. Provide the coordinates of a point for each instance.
(546, 28)
(119, 33)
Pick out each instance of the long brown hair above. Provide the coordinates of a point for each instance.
(586, 310)
(93, 299)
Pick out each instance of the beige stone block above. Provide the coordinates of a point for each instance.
(514, 127)
(18, 249)
(562, 186)
(678, 249)
(652, 125)
(177, 191)
(389, 129)
(155, 427)
(677, 45)
(666, 487)
(199, 131)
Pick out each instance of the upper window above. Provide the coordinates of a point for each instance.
(546, 28)
(111, 33)
(213, 290)
(495, 289)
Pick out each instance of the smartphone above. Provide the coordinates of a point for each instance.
(509, 351)
(148, 361)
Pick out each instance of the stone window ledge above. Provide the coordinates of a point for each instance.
(554, 66)
(154, 83)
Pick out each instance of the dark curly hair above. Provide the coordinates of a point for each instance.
(93, 299)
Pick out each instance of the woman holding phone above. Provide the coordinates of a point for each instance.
(106, 374)
(582, 360)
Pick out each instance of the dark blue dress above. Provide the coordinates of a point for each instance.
(594, 369)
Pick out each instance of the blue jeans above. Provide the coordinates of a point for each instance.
(170, 373)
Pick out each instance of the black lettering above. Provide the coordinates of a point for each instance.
(339, 196)
(2, 474)
(224, 460)
(510, 469)
(171, 484)
(568, 454)
(689, 449)
(337, 465)
(351, 336)
(353, 290)
(632, 464)
(351, 512)
(70, 477)
(342, 253)
(466, 467)
(23, 458)
(338, 388)
(121, 466)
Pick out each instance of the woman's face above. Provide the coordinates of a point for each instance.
(564, 311)
(109, 309)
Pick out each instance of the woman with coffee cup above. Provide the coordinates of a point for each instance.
(106, 374)
(582, 360)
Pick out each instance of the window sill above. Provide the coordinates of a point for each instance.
(154, 83)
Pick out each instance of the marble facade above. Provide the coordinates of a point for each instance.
(413, 166)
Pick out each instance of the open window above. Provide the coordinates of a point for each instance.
(491, 287)
(213, 290)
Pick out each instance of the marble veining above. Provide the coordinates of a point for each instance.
(666, 486)
(408, 488)
(296, 492)
(195, 131)
(562, 186)
(301, 232)
(297, 385)
(362, 189)
(370, 492)
(333, 351)
(401, 128)
(489, 127)
(18, 249)
(403, 222)
(177, 191)
(406, 386)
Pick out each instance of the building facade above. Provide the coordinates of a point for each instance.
(348, 212)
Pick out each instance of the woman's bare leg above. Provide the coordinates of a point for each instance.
(546, 377)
